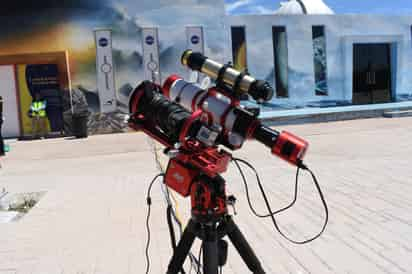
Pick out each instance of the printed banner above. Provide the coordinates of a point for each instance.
(151, 61)
(195, 40)
(105, 71)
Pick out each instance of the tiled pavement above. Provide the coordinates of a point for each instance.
(92, 218)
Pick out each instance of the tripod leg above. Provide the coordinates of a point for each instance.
(210, 252)
(243, 247)
(182, 249)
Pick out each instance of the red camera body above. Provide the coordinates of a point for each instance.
(290, 148)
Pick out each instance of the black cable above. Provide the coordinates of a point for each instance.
(170, 203)
(272, 214)
(191, 268)
(172, 232)
(235, 160)
(193, 259)
(171, 228)
(149, 203)
(199, 258)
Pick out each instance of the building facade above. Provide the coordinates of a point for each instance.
(334, 59)
(68, 28)
(105, 48)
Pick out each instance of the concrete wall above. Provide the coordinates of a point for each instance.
(73, 30)
(55, 26)
(11, 126)
(341, 32)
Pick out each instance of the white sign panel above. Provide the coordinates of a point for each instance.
(151, 61)
(105, 71)
(11, 126)
(195, 40)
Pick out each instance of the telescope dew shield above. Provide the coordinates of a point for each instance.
(239, 82)
(158, 110)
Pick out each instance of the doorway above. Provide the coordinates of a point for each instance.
(43, 73)
(372, 74)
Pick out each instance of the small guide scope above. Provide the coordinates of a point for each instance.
(238, 83)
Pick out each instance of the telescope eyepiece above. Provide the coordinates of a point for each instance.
(193, 60)
(261, 90)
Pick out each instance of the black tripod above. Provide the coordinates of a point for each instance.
(210, 229)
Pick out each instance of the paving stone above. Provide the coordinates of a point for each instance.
(92, 217)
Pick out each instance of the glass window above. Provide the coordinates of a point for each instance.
(239, 52)
(320, 60)
(280, 53)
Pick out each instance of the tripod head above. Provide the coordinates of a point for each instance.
(191, 141)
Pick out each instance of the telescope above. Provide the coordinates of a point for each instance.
(209, 120)
(235, 82)
(197, 126)
(197, 162)
(237, 123)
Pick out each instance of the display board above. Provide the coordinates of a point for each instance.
(195, 42)
(11, 126)
(195, 39)
(151, 63)
(105, 70)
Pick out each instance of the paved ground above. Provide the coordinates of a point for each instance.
(92, 218)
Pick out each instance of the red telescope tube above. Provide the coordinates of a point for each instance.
(237, 123)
